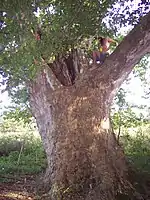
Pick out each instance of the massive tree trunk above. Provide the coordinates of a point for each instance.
(72, 109)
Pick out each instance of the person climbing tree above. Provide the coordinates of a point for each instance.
(101, 49)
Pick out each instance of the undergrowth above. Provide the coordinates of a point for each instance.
(136, 143)
(21, 150)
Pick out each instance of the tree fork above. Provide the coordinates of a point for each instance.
(66, 68)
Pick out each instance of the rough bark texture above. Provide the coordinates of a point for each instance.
(72, 113)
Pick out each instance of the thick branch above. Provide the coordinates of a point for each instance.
(121, 62)
(134, 46)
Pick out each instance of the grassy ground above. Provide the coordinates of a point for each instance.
(21, 150)
(22, 157)
(136, 144)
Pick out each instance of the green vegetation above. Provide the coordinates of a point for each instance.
(22, 152)
(21, 149)
(136, 143)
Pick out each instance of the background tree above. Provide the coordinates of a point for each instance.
(132, 113)
(70, 101)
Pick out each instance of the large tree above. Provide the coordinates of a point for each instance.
(69, 99)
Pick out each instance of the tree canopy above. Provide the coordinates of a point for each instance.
(63, 24)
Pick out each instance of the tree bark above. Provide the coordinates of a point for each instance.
(84, 158)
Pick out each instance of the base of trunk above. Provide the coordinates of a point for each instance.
(82, 191)
(86, 188)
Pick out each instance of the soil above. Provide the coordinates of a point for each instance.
(24, 187)
(17, 188)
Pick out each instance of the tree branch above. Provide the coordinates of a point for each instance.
(120, 63)
(134, 46)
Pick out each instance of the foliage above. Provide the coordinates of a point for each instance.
(64, 25)
(21, 149)
(18, 113)
(133, 129)
(127, 13)
(142, 68)
(127, 119)
(124, 114)
(136, 143)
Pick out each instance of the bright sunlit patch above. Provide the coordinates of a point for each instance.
(49, 10)
(16, 195)
(132, 6)
(105, 124)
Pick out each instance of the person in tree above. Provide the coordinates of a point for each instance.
(101, 49)
(37, 34)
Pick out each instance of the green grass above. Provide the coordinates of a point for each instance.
(30, 161)
(21, 150)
